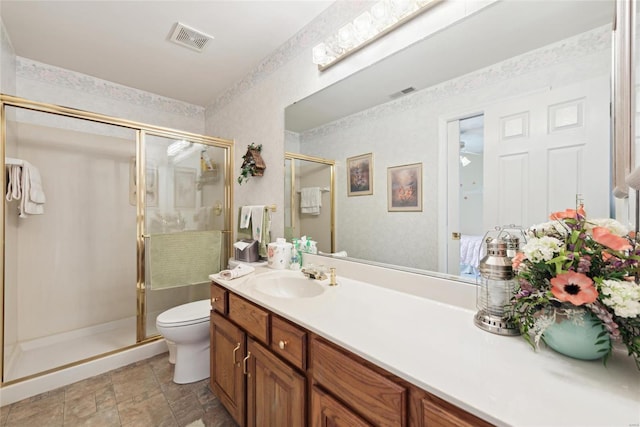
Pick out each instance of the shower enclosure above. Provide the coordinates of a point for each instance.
(75, 283)
(307, 171)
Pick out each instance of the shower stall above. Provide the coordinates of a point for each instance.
(76, 268)
(301, 172)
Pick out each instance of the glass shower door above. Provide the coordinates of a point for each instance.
(184, 222)
(70, 249)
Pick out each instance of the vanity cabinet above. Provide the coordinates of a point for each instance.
(267, 371)
(380, 400)
(227, 377)
(257, 387)
(275, 391)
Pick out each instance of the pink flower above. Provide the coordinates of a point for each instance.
(603, 236)
(573, 287)
(568, 213)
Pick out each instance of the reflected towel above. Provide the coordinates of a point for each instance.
(239, 271)
(32, 193)
(310, 200)
(471, 250)
(182, 259)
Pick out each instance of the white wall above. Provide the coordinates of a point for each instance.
(46, 83)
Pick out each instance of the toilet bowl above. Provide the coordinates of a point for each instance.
(187, 326)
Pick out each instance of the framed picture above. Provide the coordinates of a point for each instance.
(360, 175)
(184, 188)
(151, 183)
(404, 188)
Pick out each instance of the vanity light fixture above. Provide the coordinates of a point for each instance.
(382, 18)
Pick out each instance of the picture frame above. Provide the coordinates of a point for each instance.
(404, 188)
(184, 188)
(151, 182)
(360, 175)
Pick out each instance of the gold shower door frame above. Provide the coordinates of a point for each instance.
(332, 165)
(142, 130)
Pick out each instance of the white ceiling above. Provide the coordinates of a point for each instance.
(127, 42)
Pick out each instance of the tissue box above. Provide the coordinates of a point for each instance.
(248, 254)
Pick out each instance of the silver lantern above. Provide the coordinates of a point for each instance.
(496, 287)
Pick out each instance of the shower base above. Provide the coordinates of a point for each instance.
(43, 354)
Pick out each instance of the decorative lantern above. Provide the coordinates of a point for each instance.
(496, 287)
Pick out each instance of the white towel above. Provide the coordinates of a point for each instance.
(14, 182)
(239, 271)
(471, 250)
(257, 216)
(310, 200)
(33, 197)
(245, 216)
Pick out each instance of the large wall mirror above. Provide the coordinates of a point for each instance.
(507, 112)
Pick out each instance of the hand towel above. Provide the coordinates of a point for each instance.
(183, 258)
(245, 216)
(14, 182)
(33, 197)
(239, 271)
(310, 200)
(257, 216)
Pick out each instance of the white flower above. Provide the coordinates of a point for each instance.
(542, 249)
(546, 228)
(615, 227)
(623, 297)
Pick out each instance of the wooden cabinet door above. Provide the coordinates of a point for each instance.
(227, 378)
(275, 391)
(328, 412)
(429, 411)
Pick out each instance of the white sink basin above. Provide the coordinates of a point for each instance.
(286, 284)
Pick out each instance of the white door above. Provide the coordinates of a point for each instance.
(543, 149)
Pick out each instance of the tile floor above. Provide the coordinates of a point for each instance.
(141, 395)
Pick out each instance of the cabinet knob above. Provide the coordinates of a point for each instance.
(282, 344)
(214, 300)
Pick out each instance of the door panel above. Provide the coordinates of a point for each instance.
(528, 137)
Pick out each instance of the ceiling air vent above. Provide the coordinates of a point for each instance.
(189, 37)
(402, 92)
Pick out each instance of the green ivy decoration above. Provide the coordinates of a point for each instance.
(249, 166)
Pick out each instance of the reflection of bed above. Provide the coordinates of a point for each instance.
(471, 251)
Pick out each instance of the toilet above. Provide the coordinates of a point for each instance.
(187, 327)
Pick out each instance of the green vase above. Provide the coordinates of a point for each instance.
(583, 339)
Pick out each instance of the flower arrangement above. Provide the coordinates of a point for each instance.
(572, 264)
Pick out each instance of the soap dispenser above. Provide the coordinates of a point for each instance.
(295, 259)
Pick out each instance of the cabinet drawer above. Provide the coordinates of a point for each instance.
(289, 342)
(219, 298)
(250, 317)
(375, 397)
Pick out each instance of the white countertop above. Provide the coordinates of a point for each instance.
(436, 347)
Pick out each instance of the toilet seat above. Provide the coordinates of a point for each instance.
(187, 314)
